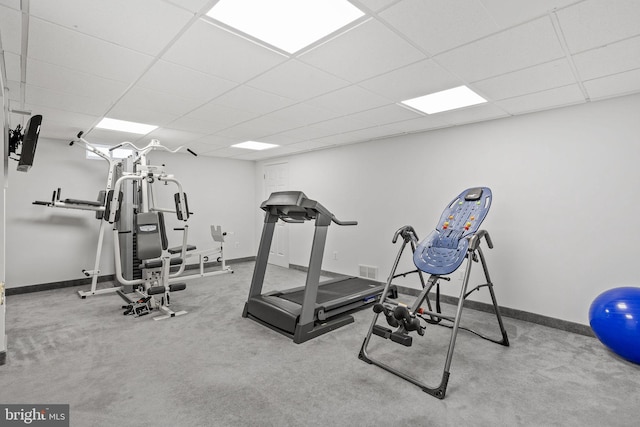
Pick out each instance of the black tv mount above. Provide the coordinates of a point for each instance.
(15, 140)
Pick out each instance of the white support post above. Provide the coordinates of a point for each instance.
(3, 336)
(4, 172)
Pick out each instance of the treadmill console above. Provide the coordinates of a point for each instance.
(284, 198)
(293, 204)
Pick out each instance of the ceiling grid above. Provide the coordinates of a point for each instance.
(166, 63)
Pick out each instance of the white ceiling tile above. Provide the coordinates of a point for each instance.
(512, 12)
(65, 101)
(209, 49)
(221, 114)
(548, 99)
(615, 85)
(387, 114)
(520, 47)
(303, 114)
(256, 129)
(296, 80)
(308, 132)
(374, 5)
(414, 80)
(365, 51)
(174, 137)
(283, 139)
(439, 25)
(133, 113)
(334, 126)
(432, 121)
(210, 142)
(58, 124)
(595, 23)
(252, 156)
(334, 140)
(12, 63)
(145, 99)
(611, 59)
(473, 114)
(253, 100)
(348, 100)
(227, 152)
(12, 4)
(11, 25)
(362, 135)
(211, 118)
(345, 138)
(67, 48)
(301, 147)
(294, 117)
(184, 82)
(124, 23)
(193, 6)
(196, 125)
(533, 79)
(62, 79)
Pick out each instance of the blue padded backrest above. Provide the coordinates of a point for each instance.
(444, 250)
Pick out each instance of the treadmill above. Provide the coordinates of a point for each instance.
(316, 308)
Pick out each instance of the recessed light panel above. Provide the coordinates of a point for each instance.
(125, 126)
(286, 24)
(253, 145)
(445, 100)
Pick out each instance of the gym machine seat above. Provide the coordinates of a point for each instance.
(305, 312)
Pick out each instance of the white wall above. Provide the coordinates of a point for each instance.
(564, 214)
(50, 244)
(220, 192)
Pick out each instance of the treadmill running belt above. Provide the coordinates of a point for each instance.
(332, 290)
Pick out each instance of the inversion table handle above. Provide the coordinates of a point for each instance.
(474, 242)
(407, 232)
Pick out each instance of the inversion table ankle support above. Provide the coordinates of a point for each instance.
(456, 238)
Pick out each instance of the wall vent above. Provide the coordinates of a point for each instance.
(369, 272)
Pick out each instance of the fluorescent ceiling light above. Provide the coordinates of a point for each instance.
(286, 24)
(125, 126)
(253, 145)
(445, 100)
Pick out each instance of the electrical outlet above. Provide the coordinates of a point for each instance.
(237, 244)
(335, 255)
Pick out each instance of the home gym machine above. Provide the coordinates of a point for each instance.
(134, 198)
(305, 312)
(115, 169)
(151, 247)
(456, 238)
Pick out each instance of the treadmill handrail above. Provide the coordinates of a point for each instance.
(337, 221)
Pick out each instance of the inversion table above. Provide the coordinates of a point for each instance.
(456, 238)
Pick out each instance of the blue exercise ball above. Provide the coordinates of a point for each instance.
(614, 317)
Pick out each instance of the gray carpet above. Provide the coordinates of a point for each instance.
(211, 367)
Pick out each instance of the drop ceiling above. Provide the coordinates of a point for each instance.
(166, 63)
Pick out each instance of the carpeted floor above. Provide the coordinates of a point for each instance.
(211, 367)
